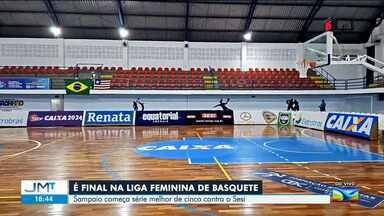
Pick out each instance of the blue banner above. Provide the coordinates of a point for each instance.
(109, 118)
(24, 83)
(160, 118)
(353, 124)
(365, 199)
(53, 118)
(44, 199)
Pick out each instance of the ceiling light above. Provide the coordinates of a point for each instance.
(123, 32)
(56, 31)
(247, 36)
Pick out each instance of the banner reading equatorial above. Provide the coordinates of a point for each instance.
(78, 87)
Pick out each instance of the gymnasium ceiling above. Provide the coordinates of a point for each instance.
(191, 20)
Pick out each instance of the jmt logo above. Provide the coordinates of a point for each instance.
(41, 187)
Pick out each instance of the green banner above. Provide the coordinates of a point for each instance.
(78, 87)
(285, 118)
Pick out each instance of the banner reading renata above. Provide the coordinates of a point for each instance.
(109, 118)
(13, 119)
(160, 117)
(51, 118)
(365, 126)
(315, 120)
(256, 117)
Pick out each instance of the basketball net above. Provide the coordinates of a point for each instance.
(305, 65)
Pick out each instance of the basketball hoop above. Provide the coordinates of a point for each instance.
(306, 64)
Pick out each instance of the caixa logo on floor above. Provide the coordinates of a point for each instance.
(160, 118)
(109, 118)
(353, 124)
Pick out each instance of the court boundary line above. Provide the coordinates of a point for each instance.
(248, 138)
(297, 152)
(296, 162)
(6, 157)
(226, 174)
(350, 147)
(302, 132)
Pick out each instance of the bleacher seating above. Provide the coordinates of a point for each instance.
(172, 78)
(264, 79)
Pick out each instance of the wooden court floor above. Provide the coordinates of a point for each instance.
(108, 153)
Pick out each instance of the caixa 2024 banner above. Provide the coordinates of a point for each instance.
(365, 126)
(52, 118)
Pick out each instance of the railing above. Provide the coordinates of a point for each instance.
(357, 83)
(328, 80)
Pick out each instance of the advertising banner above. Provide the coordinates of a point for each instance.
(24, 83)
(10, 104)
(51, 118)
(381, 122)
(109, 118)
(365, 126)
(13, 119)
(285, 118)
(209, 117)
(160, 118)
(314, 120)
(264, 117)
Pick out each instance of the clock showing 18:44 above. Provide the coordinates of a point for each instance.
(44, 199)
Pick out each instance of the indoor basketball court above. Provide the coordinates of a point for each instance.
(206, 107)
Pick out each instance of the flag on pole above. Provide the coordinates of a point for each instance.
(102, 84)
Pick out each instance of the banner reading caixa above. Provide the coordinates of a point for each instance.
(209, 117)
(381, 122)
(360, 125)
(255, 117)
(109, 118)
(314, 120)
(13, 119)
(161, 117)
(52, 118)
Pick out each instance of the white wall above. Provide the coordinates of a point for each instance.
(339, 103)
(216, 55)
(155, 54)
(36, 52)
(271, 55)
(69, 52)
(201, 102)
(107, 52)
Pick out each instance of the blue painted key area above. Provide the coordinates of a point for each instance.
(236, 150)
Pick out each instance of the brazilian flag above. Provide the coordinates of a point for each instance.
(78, 87)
